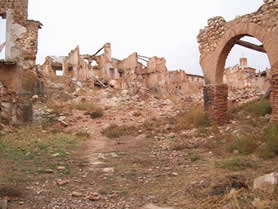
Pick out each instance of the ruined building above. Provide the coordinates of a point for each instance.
(215, 43)
(244, 77)
(18, 79)
(132, 72)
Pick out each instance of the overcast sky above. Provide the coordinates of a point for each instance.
(164, 28)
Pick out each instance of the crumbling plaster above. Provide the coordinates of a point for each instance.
(18, 71)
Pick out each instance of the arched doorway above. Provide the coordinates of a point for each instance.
(216, 42)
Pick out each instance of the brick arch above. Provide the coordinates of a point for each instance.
(213, 63)
(215, 43)
(227, 42)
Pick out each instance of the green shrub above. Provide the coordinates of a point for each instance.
(244, 144)
(271, 138)
(258, 108)
(237, 164)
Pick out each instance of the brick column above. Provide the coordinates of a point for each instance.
(274, 96)
(215, 99)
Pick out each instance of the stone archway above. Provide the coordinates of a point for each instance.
(215, 44)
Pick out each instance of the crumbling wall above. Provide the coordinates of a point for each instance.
(18, 71)
(157, 65)
(263, 80)
(19, 6)
(129, 63)
(128, 73)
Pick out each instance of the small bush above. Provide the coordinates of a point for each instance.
(93, 110)
(245, 144)
(267, 154)
(194, 119)
(195, 157)
(83, 133)
(237, 164)
(271, 138)
(115, 131)
(258, 108)
(97, 113)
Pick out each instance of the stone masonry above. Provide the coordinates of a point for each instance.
(18, 77)
(217, 39)
(129, 73)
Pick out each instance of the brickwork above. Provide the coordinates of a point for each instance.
(218, 38)
(216, 102)
(274, 94)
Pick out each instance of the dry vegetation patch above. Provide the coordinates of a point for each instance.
(93, 110)
(116, 131)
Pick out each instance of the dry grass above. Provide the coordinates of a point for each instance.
(115, 131)
(93, 110)
(195, 118)
(244, 144)
(237, 164)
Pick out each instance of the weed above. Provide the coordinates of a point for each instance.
(271, 140)
(97, 113)
(267, 154)
(202, 132)
(115, 131)
(83, 133)
(93, 110)
(194, 119)
(258, 108)
(244, 144)
(195, 157)
(237, 164)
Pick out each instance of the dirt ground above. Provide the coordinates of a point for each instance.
(155, 163)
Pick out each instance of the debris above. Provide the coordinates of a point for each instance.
(76, 194)
(267, 182)
(62, 182)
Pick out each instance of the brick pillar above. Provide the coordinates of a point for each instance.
(215, 99)
(274, 96)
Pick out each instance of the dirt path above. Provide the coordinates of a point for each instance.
(96, 143)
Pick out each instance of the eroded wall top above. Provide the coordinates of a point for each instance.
(19, 6)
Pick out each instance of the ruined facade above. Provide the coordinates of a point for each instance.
(244, 77)
(18, 70)
(132, 72)
(215, 43)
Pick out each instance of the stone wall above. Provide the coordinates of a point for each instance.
(218, 38)
(19, 6)
(210, 36)
(18, 71)
(125, 74)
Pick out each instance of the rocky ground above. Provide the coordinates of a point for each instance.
(142, 151)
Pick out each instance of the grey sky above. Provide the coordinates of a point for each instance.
(165, 28)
